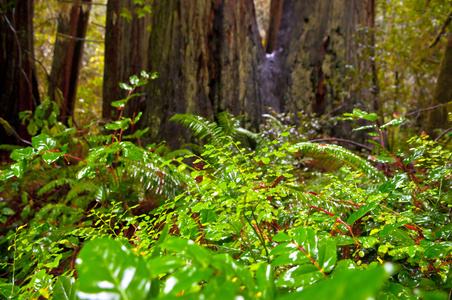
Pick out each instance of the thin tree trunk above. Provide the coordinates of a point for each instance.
(126, 45)
(71, 33)
(18, 83)
(276, 7)
(438, 118)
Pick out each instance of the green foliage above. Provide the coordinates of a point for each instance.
(250, 215)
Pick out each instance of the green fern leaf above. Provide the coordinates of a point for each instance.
(200, 127)
(334, 155)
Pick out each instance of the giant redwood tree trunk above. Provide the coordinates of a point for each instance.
(208, 55)
(316, 65)
(18, 84)
(67, 57)
(126, 45)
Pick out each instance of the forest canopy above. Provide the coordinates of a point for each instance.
(275, 149)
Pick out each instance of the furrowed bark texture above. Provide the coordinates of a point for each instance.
(18, 84)
(438, 118)
(208, 55)
(320, 50)
(67, 57)
(126, 44)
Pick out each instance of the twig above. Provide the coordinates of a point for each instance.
(344, 141)
(426, 109)
(443, 133)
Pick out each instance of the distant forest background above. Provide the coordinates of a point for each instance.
(310, 59)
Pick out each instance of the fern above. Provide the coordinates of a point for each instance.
(200, 127)
(82, 187)
(56, 183)
(228, 126)
(309, 199)
(335, 155)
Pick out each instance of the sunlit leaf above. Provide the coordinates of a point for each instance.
(106, 269)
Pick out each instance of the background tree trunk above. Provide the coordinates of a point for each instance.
(126, 44)
(18, 84)
(72, 25)
(317, 65)
(207, 54)
(276, 7)
(438, 118)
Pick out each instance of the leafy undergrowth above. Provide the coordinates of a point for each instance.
(91, 215)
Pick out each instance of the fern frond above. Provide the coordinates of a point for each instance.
(200, 127)
(165, 180)
(309, 199)
(334, 155)
(274, 121)
(56, 183)
(80, 188)
(228, 123)
(258, 138)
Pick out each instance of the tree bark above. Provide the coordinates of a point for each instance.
(126, 45)
(276, 7)
(18, 83)
(318, 66)
(67, 58)
(207, 54)
(438, 118)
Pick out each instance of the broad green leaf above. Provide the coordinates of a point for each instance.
(265, 281)
(134, 79)
(6, 174)
(133, 152)
(19, 168)
(8, 291)
(395, 122)
(343, 240)
(119, 103)
(290, 258)
(7, 211)
(394, 291)
(348, 284)
(86, 172)
(438, 250)
(227, 265)
(25, 153)
(186, 278)
(43, 142)
(65, 289)
(281, 237)
(300, 276)
(107, 270)
(361, 212)
(359, 114)
(368, 241)
(283, 248)
(189, 248)
(116, 125)
(51, 156)
(165, 264)
(327, 255)
(125, 86)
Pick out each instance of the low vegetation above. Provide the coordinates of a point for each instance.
(92, 213)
